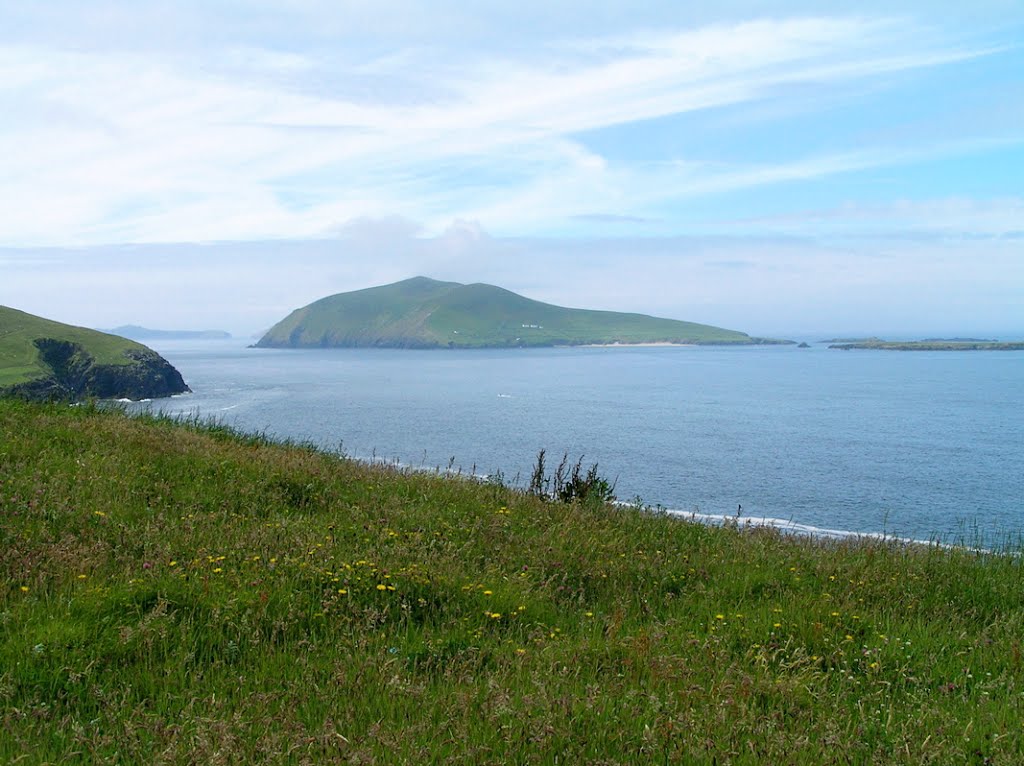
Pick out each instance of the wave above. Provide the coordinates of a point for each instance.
(788, 526)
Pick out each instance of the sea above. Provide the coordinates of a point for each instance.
(920, 445)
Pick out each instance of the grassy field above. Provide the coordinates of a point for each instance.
(175, 593)
(426, 313)
(19, 358)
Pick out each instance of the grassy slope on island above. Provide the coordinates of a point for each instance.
(174, 593)
(23, 362)
(424, 313)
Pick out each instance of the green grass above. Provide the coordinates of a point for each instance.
(175, 593)
(19, 358)
(425, 313)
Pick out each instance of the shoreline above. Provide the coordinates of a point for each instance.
(652, 344)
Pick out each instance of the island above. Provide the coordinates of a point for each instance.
(134, 332)
(426, 313)
(934, 344)
(42, 359)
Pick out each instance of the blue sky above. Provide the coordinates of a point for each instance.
(785, 167)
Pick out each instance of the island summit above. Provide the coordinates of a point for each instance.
(426, 313)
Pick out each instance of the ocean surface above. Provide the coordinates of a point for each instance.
(918, 445)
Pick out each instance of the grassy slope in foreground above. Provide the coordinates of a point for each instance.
(178, 594)
(40, 357)
(424, 313)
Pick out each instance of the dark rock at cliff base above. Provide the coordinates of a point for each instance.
(76, 375)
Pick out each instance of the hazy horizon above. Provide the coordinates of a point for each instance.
(786, 172)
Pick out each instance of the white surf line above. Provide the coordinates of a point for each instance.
(793, 527)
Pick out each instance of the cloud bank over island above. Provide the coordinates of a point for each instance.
(792, 170)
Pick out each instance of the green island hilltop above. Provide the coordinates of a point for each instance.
(43, 359)
(425, 313)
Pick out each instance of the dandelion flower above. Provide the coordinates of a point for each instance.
(24, 589)
(382, 586)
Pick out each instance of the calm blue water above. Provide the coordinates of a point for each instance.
(922, 445)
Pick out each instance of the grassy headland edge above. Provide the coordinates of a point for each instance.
(43, 359)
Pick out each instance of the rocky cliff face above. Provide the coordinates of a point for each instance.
(76, 375)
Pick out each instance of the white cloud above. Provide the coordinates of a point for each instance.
(153, 148)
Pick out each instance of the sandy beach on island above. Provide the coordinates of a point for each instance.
(631, 345)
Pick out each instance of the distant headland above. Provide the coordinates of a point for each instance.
(134, 332)
(930, 344)
(426, 313)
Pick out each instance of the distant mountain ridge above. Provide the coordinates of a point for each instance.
(426, 313)
(43, 359)
(134, 332)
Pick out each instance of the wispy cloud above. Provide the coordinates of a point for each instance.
(611, 218)
(120, 146)
(943, 218)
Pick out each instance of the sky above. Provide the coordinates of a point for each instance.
(782, 168)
